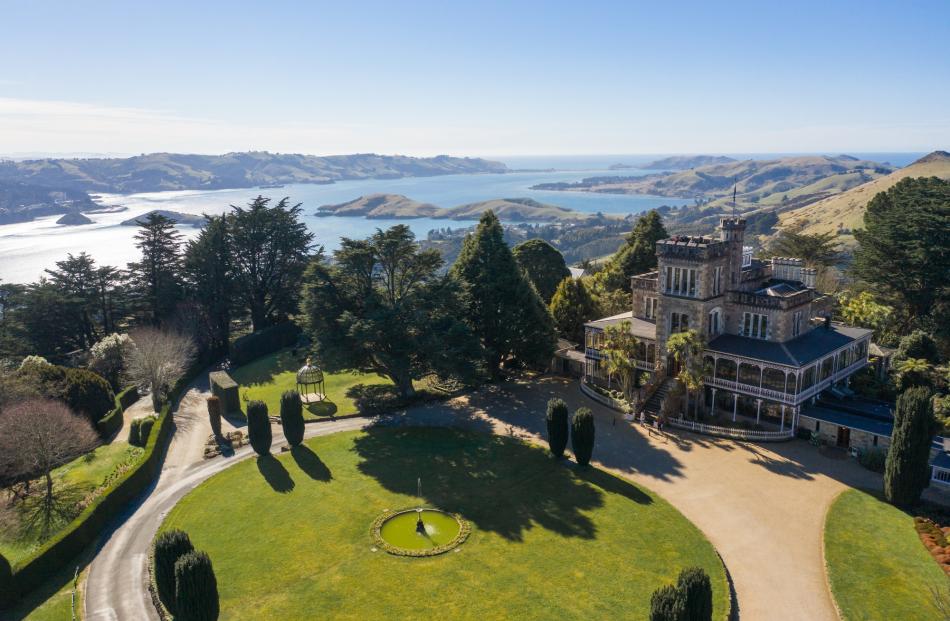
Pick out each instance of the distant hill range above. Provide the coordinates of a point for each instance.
(844, 211)
(23, 182)
(175, 171)
(788, 182)
(399, 206)
(685, 162)
(21, 202)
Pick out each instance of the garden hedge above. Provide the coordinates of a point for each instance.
(263, 342)
(59, 550)
(111, 423)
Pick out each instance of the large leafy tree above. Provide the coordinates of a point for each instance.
(270, 249)
(571, 306)
(502, 308)
(77, 281)
(156, 278)
(543, 264)
(209, 274)
(907, 469)
(383, 307)
(817, 250)
(904, 252)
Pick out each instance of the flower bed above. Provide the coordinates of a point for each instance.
(935, 540)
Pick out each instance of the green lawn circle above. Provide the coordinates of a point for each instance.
(288, 535)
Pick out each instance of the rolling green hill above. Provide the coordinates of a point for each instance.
(844, 211)
(399, 206)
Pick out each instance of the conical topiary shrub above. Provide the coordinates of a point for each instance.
(196, 588)
(214, 415)
(258, 427)
(582, 435)
(557, 426)
(696, 592)
(291, 417)
(667, 604)
(169, 547)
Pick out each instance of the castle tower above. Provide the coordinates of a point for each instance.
(732, 231)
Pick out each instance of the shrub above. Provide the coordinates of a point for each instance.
(582, 435)
(145, 429)
(557, 426)
(88, 393)
(291, 417)
(107, 357)
(907, 468)
(135, 428)
(264, 342)
(918, 344)
(170, 546)
(666, 604)
(6, 582)
(696, 592)
(196, 588)
(258, 427)
(214, 415)
(873, 459)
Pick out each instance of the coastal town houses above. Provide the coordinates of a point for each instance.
(770, 346)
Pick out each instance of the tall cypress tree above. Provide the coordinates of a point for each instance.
(907, 469)
(571, 306)
(543, 264)
(156, 278)
(209, 274)
(503, 308)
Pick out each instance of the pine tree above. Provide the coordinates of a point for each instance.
(557, 421)
(258, 427)
(582, 435)
(907, 469)
(638, 255)
(76, 280)
(696, 593)
(504, 310)
(170, 546)
(270, 249)
(209, 275)
(291, 417)
(543, 264)
(571, 306)
(196, 588)
(902, 250)
(156, 278)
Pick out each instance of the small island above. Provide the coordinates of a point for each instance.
(178, 217)
(73, 218)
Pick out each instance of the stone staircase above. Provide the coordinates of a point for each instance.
(655, 402)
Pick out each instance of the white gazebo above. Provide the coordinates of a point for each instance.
(310, 383)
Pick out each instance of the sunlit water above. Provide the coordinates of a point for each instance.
(400, 530)
(26, 249)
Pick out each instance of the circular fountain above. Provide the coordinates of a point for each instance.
(419, 531)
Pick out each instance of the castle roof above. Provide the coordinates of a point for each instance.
(799, 352)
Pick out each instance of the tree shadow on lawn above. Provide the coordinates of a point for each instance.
(310, 463)
(501, 485)
(322, 409)
(264, 370)
(275, 474)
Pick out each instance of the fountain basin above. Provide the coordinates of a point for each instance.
(397, 533)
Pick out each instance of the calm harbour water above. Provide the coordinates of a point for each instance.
(26, 249)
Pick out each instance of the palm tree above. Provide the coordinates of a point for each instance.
(914, 372)
(620, 350)
(687, 350)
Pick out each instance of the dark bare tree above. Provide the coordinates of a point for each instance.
(37, 436)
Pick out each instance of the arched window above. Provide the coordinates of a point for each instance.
(714, 322)
(750, 374)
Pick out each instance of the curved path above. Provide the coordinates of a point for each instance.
(762, 507)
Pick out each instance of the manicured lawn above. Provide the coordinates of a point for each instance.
(72, 482)
(877, 565)
(268, 377)
(289, 537)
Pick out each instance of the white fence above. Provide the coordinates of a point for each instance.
(732, 432)
(602, 399)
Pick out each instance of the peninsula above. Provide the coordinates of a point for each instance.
(376, 206)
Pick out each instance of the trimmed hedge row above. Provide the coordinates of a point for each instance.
(33, 571)
(110, 424)
(263, 342)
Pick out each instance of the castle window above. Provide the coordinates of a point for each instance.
(797, 323)
(755, 325)
(717, 280)
(649, 310)
(679, 322)
(714, 326)
(681, 281)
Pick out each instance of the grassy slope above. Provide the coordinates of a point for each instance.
(77, 478)
(847, 208)
(268, 377)
(547, 542)
(877, 566)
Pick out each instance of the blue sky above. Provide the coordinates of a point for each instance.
(474, 78)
